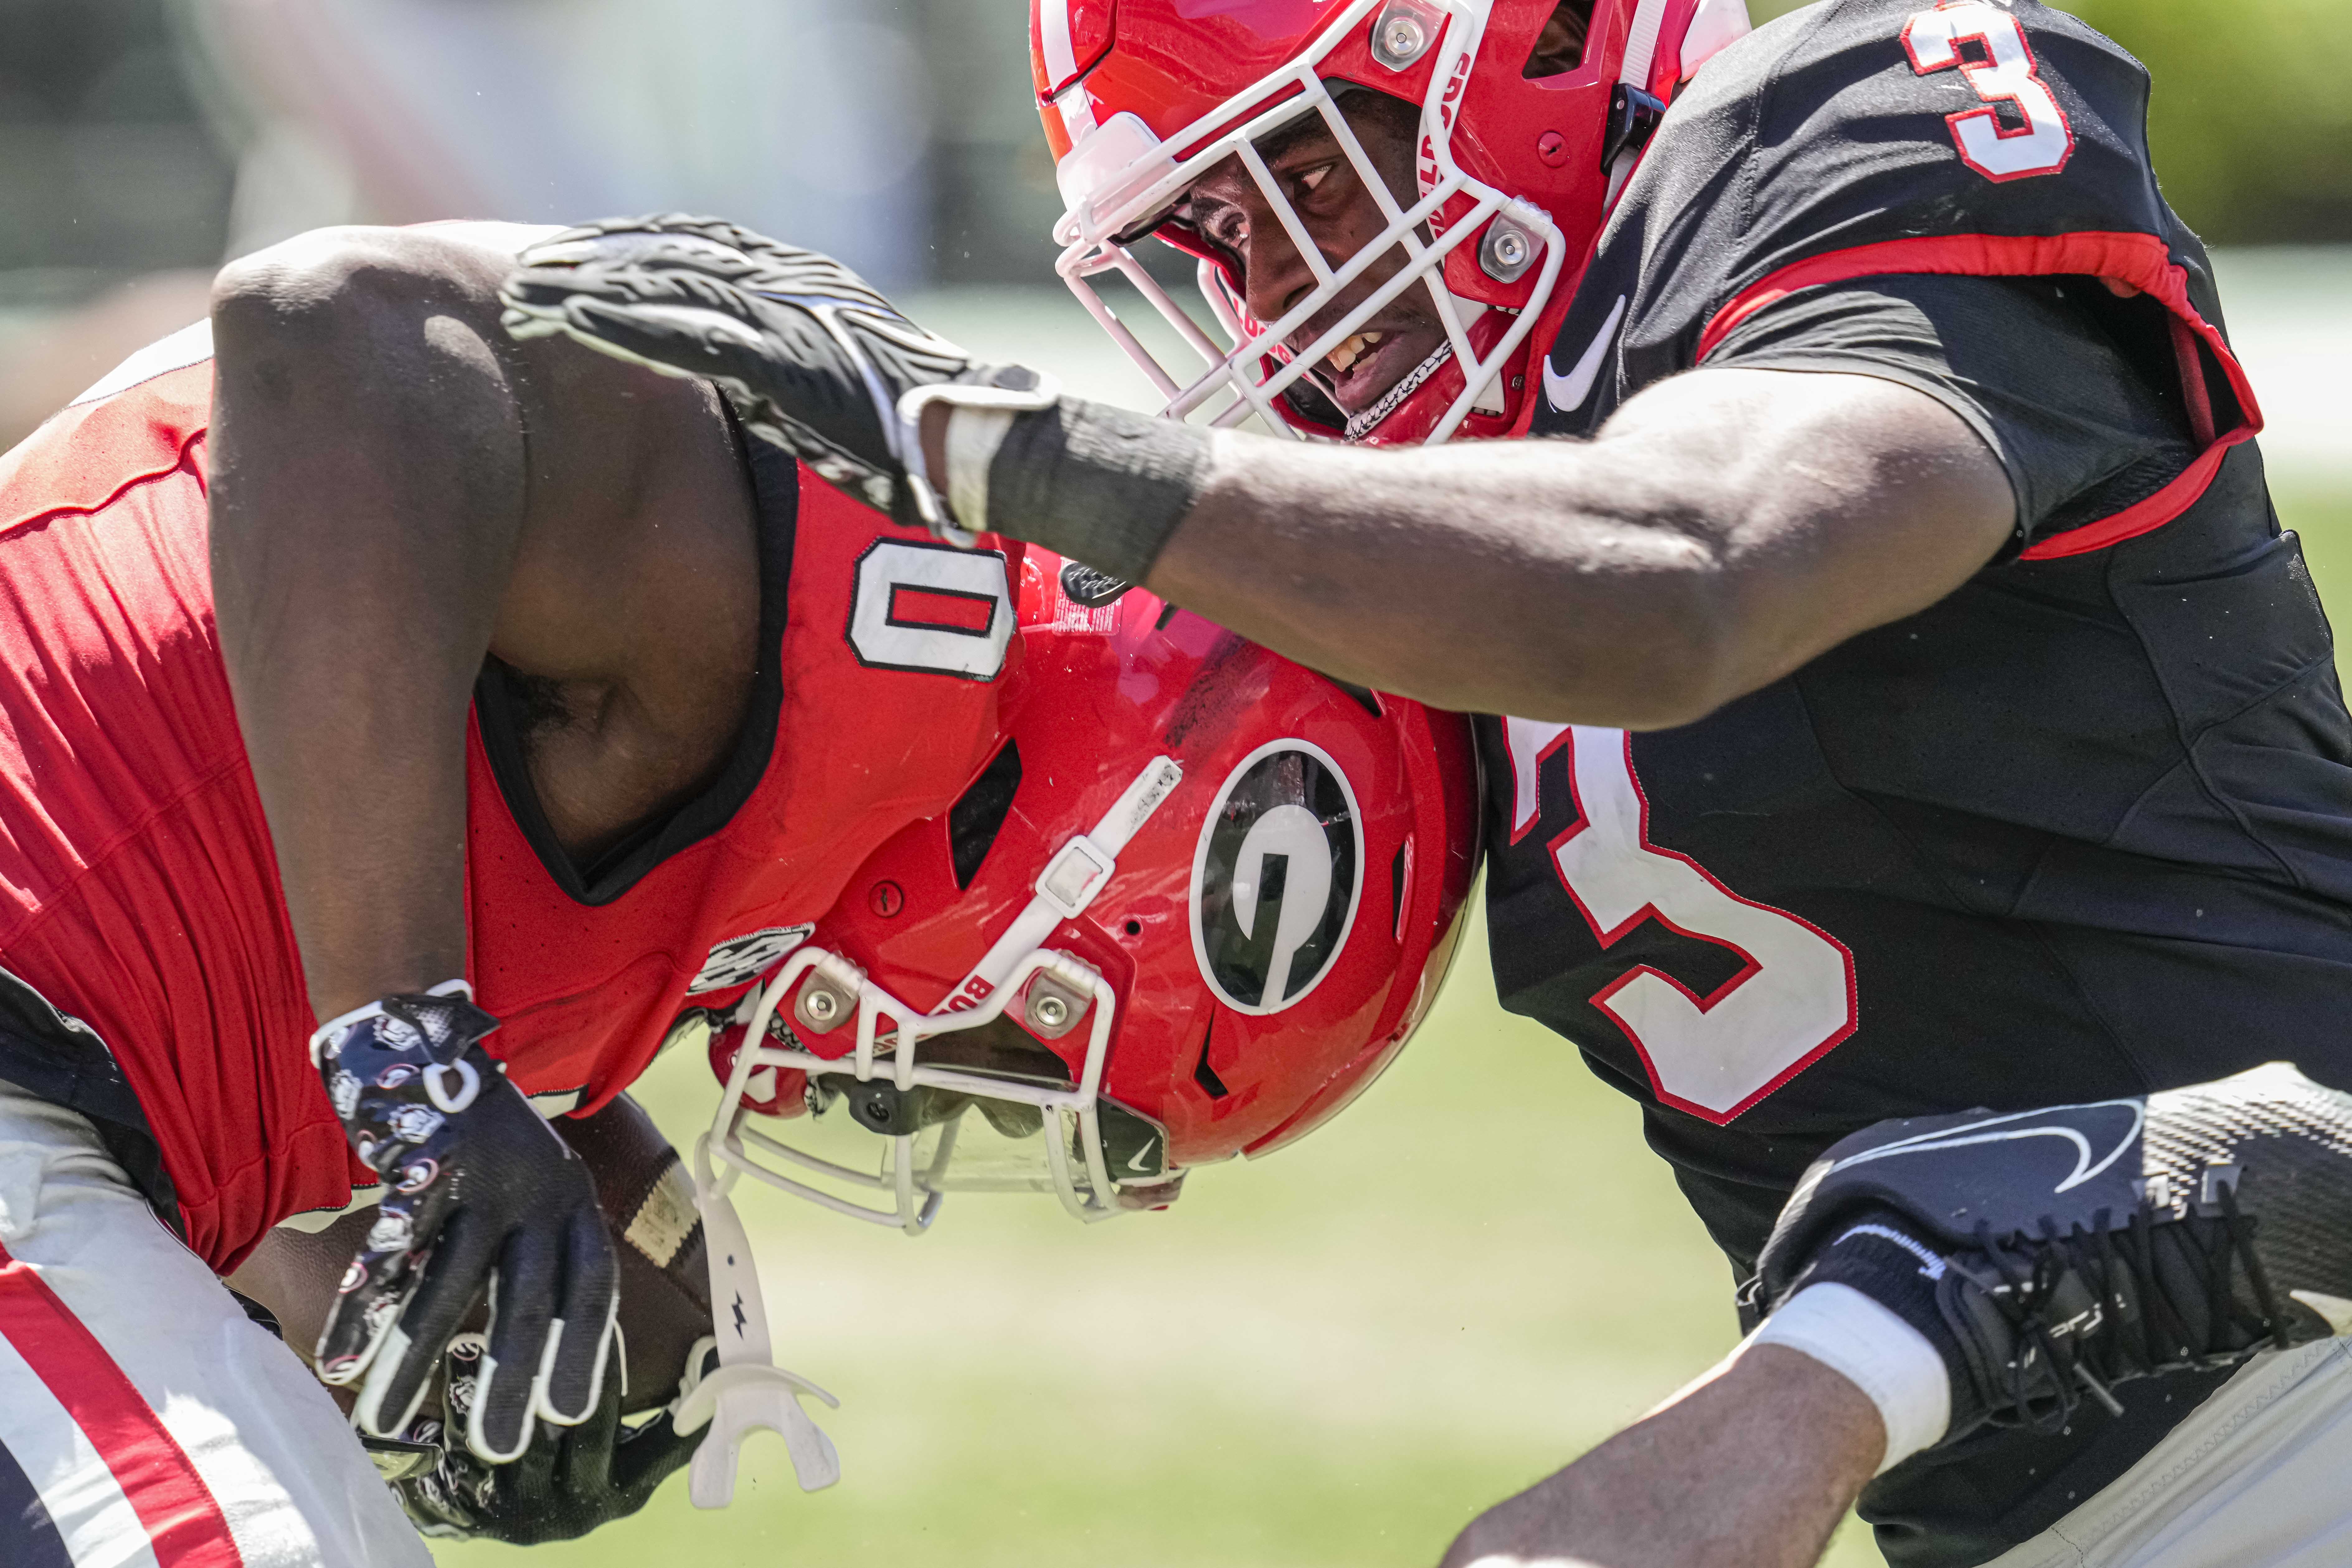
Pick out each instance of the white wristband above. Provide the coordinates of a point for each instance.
(1872, 1348)
(973, 437)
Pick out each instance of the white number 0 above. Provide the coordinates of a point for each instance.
(2043, 144)
(1713, 1056)
(931, 609)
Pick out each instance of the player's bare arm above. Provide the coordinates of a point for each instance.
(399, 494)
(1724, 529)
(1751, 1467)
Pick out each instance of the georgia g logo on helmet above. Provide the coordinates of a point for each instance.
(1276, 878)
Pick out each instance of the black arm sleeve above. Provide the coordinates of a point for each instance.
(2060, 379)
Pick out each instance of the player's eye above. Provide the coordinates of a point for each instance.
(1312, 180)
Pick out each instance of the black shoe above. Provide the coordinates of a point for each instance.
(2050, 1253)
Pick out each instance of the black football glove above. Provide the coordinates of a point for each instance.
(570, 1480)
(479, 1191)
(818, 362)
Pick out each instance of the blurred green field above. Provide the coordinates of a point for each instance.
(1330, 1359)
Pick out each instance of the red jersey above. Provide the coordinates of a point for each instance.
(138, 892)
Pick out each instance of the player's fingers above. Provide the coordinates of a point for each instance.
(673, 243)
(662, 305)
(589, 1306)
(674, 340)
(639, 249)
(447, 1281)
(522, 1306)
(366, 1302)
(650, 1455)
(588, 1448)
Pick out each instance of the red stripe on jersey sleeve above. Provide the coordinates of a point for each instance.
(184, 1522)
(2140, 261)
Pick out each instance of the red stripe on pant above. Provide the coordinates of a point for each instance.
(184, 1524)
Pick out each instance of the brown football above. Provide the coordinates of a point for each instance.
(648, 1203)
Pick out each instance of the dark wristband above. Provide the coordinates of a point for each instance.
(1100, 485)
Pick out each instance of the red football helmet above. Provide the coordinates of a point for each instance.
(1141, 98)
(1195, 900)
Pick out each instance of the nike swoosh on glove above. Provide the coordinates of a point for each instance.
(815, 360)
(479, 1194)
(2051, 1254)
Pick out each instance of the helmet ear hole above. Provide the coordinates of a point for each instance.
(977, 816)
(1559, 47)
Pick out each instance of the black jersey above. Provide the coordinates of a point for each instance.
(2084, 828)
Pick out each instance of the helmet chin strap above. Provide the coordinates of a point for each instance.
(1634, 72)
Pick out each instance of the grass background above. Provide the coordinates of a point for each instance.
(1335, 1358)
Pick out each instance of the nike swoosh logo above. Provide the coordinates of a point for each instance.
(2088, 1163)
(1136, 1161)
(1567, 392)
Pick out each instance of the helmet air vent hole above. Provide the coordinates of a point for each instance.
(1559, 47)
(1401, 884)
(1205, 1075)
(974, 820)
(1135, 928)
(1363, 696)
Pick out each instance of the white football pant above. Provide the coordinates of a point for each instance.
(146, 1421)
(2260, 1476)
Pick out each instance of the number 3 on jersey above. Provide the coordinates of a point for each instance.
(1713, 1056)
(2006, 75)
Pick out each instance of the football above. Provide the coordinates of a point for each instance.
(648, 1203)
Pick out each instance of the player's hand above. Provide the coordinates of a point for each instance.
(479, 1193)
(818, 362)
(570, 1480)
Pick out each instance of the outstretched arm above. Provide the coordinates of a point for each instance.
(1750, 1467)
(1724, 527)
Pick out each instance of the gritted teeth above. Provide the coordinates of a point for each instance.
(1354, 348)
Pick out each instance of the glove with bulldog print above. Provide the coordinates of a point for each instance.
(479, 1194)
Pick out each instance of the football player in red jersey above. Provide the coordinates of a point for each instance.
(1917, 703)
(504, 708)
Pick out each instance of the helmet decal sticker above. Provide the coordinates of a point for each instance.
(739, 959)
(1276, 878)
(1084, 585)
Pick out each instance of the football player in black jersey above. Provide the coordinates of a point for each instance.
(1918, 706)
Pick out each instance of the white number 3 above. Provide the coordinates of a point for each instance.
(2040, 146)
(1713, 1056)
